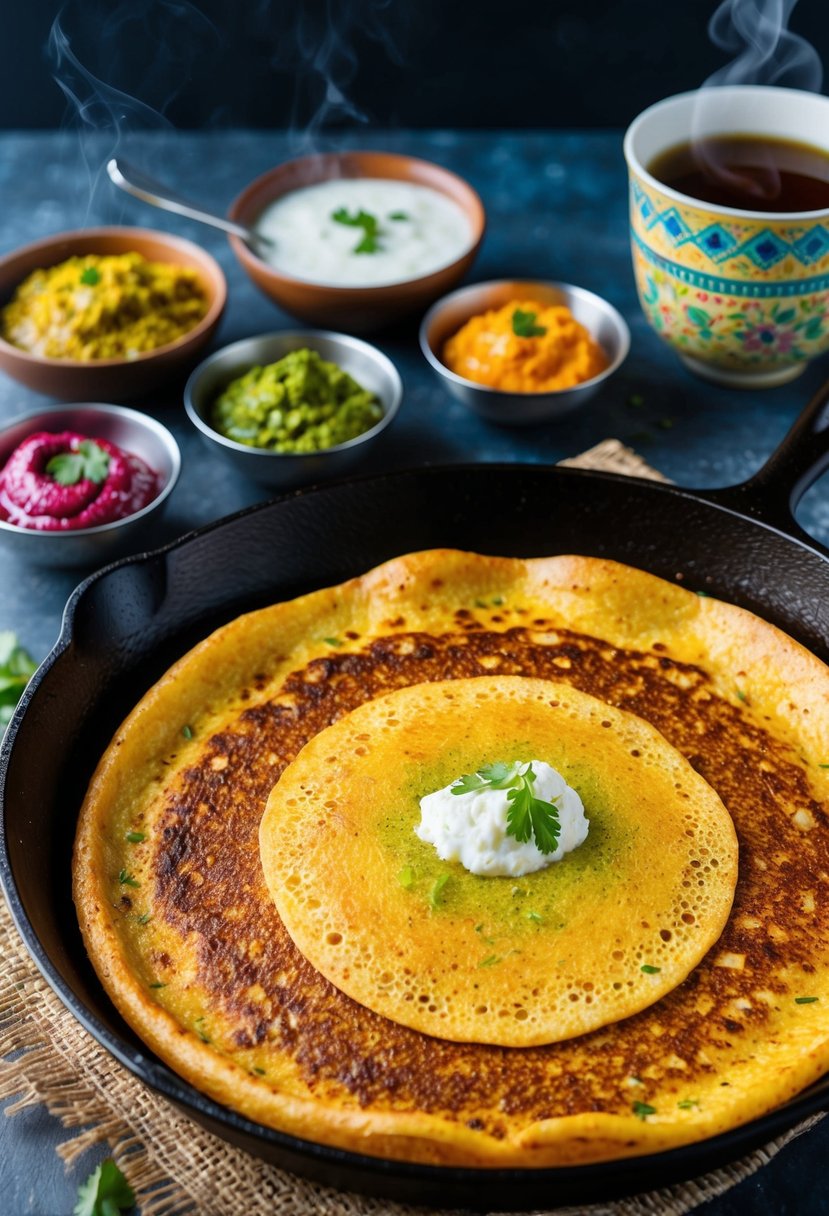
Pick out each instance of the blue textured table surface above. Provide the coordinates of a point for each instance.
(557, 209)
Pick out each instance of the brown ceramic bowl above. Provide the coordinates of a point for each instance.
(110, 379)
(353, 309)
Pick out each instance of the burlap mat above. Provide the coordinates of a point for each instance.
(174, 1166)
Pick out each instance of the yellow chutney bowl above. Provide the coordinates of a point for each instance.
(742, 296)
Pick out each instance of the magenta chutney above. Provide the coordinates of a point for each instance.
(62, 482)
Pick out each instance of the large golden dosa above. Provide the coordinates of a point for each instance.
(170, 891)
(595, 937)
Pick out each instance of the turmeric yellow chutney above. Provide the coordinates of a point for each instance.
(113, 307)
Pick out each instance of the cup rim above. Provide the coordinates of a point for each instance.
(636, 166)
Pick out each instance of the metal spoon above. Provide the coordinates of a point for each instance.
(134, 182)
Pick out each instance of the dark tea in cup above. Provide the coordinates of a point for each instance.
(729, 225)
(747, 172)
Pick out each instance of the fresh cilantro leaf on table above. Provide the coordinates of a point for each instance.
(528, 817)
(524, 326)
(89, 462)
(16, 669)
(106, 1192)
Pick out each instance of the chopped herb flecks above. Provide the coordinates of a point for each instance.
(135, 837)
(649, 970)
(490, 960)
(806, 1000)
(187, 731)
(642, 1110)
(688, 1104)
(127, 880)
(437, 890)
(406, 877)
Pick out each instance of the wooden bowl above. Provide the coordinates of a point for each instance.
(110, 379)
(353, 309)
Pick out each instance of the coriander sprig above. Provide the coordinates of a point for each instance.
(16, 669)
(528, 817)
(87, 462)
(105, 1192)
(524, 324)
(369, 242)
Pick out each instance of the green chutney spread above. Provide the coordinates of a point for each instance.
(302, 403)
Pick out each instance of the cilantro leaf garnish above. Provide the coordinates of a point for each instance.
(16, 669)
(90, 277)
(806, 1000)
(106, 1192)
(650, 970)
(398, 215)
(528, 817)
(688, 1104)
(369, 242)
(127, 880)
(89, 462)
(524, 326)
(642, 1109)
(136, 837)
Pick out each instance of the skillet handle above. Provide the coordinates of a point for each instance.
(774, 491)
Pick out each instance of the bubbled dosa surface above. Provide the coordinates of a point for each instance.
(590, 939)
(180, 926)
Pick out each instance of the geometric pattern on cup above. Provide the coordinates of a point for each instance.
(720, 241)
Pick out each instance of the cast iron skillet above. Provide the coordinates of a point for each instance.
(124, 625)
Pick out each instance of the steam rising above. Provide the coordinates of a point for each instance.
(173, 31)
(104, 56)
(765, 52)
(317, 48)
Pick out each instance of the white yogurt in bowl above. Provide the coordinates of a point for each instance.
(363, 232)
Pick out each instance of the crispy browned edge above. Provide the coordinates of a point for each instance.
(596, 596)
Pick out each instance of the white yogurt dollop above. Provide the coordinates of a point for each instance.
(418, 230)
(472, 827)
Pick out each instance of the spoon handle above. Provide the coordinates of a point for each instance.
(134, 182)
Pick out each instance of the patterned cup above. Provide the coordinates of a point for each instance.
(741, 296)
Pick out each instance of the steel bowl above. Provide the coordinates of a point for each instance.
(445, 318)
(111, 379)
(128, 429)
(282, 470)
